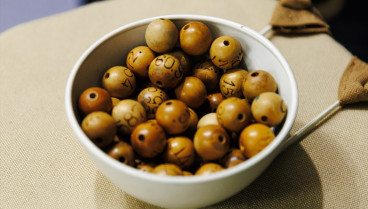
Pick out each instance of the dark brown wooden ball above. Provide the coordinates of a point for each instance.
(123, 152)
(148, 139)
(95, 99)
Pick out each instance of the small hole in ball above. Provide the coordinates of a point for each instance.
(254, 74)
(226, 43)
(186, 27)
(122, 159)
(140, 52)
(240, 117)
(221, 138)
(264, 118)
(168, 103)
(92, 95)
(107, 75)
(141, 137)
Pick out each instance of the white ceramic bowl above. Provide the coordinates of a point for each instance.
(180, 192)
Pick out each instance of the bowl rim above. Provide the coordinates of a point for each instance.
(274, 146)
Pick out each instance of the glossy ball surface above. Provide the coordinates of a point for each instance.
(213, 100)
(208, 169)
(254, 138)
(191, 91)
(269, 108)
(231, 82)
(95, 99)
(208, 73)
(257, 82)
(128, 114)
(173, 115)
(119, 81)
(165, 71)
(234, 114)
(139, 59)
(161, 35)
(179, 151)
(195, 38)
(100, 128)
(211, 142)
(208, 119)
(233, 158)
(151, 98)
(226, 52)
(148, 139)
(123, 152)
(167, 169)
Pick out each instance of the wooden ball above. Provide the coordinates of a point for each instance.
(226, 52)
(165, 71)
(193, 121)
(234, 114)
(195, 38)
(123, 152)
(233, 158)
(268, 108)
(211, 142)
(191, 91)
(151, 98)
(184, 59)
(208, 73)
(208, 169)
(180, 151)
(128, 114)
(257, 82)
(213, 100)
(148, 139)
(95, 99)
(167, 169)
(231, 82)
(119, 81)
(139, 59)
(254, 138)
(100, 128)
(173, 115)
(161, 35)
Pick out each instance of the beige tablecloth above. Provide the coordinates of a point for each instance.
(42, 164)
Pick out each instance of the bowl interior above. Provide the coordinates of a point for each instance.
(112, 49)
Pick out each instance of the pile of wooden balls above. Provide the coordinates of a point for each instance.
(182, 105)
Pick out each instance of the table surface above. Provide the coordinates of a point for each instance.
(42, 164)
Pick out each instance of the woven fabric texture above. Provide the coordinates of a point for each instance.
(42, 164)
